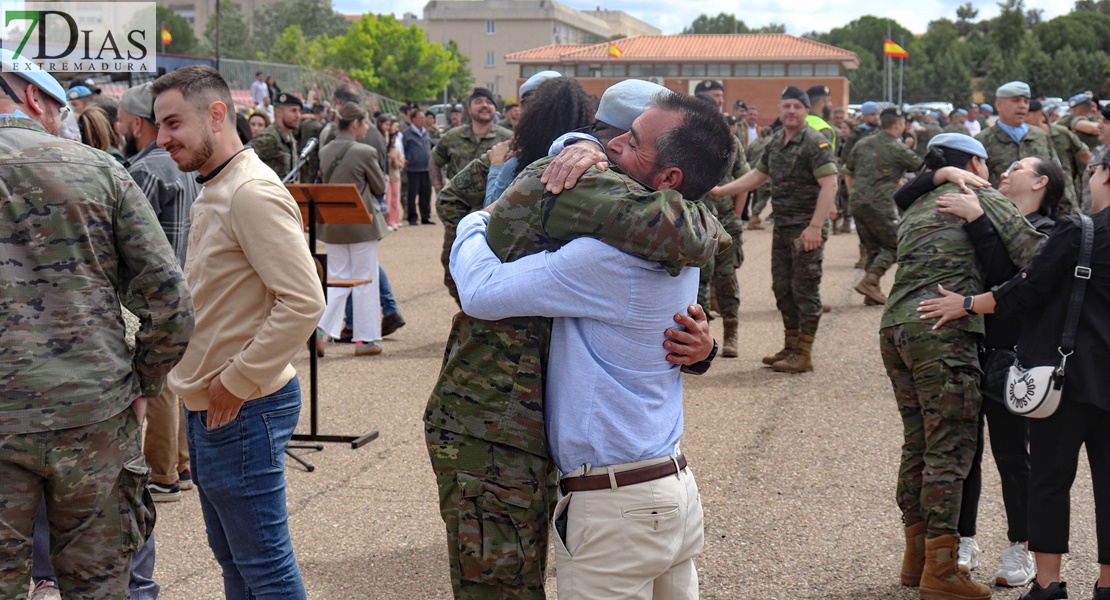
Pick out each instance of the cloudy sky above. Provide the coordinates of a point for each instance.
(800, 16)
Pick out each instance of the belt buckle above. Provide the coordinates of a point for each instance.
(1082, 272)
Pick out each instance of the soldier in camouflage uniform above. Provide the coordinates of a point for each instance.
(79, 238)
(1073, 155)
(873, 171)
(935, 374)
(932, 129)
(457, 147)
(1082, 120)
(957, 122)
(277, 144)
(869, 125)
(720, 273)
(484, 420)
(311, 127)
(799, 164)
(762, 194)
(1000, 139)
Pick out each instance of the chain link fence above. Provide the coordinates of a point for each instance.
(297, 80)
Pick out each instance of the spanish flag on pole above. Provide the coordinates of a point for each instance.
(894, 50)
(614, 52)
(167, 39)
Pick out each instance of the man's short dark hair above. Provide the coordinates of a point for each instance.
(346, 92)
(888, 121)
(258, 73)
(510, 106)
(200, 84)
(702, 145)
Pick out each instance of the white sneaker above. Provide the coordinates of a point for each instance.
(969, 553)
(45, 590)
(1018, 567)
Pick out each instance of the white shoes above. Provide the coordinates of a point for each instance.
(969, 553)
(1018, 567)
(45, 590)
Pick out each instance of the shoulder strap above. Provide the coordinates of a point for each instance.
(335, 161)
(1082, 275)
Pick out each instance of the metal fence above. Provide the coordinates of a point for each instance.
(298, 80)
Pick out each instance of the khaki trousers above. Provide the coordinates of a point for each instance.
(164, 446)
(636, 542)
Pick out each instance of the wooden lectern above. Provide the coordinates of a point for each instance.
(335, 204)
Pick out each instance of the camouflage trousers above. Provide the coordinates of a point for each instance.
(94, 482)
(935, 375)
(879, 235)
(762, 195)
(496, 502)
(796, 278)
(720, 274)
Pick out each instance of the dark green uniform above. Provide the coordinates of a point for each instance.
(794, 167)
(931, 131)
(876, 165)
(461, 195)
(458, 146)
(720, 273)
(858, 133)
(1069, 122)
(310, 128)
(1002, 150)
(277, 149)
(484, 419)
(935, 374)
(761, 194)
(957, 128)
(1069, 149)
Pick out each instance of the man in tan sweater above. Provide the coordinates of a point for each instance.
(257, 299)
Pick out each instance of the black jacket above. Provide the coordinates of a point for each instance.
(1040, 293)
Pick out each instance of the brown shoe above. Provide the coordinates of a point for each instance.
(913, 560)
(729, 349)
(754, 225)
(862, 262)
(825, 308)
(869, 286)
(870, 302)
(789, 347)
(941, 579)
(800, 361)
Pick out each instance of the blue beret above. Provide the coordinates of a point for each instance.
(78, 91)
(961, 111)
(986, 107)
(869, 108)
(1079, 99)
(626, 100)
(535, 81)
(961, 142)
(1013, 90)
(33, 74)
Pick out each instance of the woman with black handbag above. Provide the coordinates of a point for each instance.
(1042, 291)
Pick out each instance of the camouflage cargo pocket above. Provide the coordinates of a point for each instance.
(136, 507)
(490, 519)
(961, 398)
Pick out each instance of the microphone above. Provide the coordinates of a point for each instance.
(308, 148)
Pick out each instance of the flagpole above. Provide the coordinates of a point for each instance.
(901, 69)
(889, 71)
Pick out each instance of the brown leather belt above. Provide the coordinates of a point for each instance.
(631, 477)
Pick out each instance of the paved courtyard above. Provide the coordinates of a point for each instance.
(796, 472)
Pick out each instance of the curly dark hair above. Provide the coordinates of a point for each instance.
(560, 105)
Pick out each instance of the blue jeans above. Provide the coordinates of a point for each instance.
(239, 471)
(389, 305)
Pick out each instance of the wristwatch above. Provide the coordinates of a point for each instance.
(969, 303)
(699, 368)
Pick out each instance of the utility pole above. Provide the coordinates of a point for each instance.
(217, 35)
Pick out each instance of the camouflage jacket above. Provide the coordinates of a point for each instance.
(1069, 148)
(876, 165)
(858, 133)
(1069, 121)
(1002, 150)
(458, 146)
(491, 384)
(310, 128)
(277, 150)
(724, 207)
(931, 131)
(794, 167)
(956, 128)
(934, 248)
(463, 194)
(78, 238)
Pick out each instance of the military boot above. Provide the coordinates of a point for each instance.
(870, 288)
(801, 360)
(756, 223)
(846, 225)
(729, 350)
(941, 579)
(913, 560)
(791, 346)
(862, 262)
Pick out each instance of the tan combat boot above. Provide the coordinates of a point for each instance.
(862, 262)
(756, 223)
(800, 361)
(729, 350)
(789, 348)
(846, 225)
(870, 288)
(913, 561)
(941, 579)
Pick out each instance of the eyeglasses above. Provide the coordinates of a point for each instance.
(1014, 166)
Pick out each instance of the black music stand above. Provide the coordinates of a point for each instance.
(332, 204)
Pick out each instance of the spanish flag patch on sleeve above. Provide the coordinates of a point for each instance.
(823, 145)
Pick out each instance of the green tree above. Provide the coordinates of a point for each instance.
(462, 80)
(291, 48)
(726, 23)
(234, 40)
(388, 58)
(315, 18)
(1008, 28)
(184, 41)
(1080, 31)
(965, 17)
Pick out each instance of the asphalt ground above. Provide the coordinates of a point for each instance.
(796, 472)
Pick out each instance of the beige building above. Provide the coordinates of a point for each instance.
(487, 30)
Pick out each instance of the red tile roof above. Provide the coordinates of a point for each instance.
(737, 47)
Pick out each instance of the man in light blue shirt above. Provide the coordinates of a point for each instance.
(613, 403)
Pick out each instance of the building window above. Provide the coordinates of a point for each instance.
(747, 70)
(772, 70)
(666, 70)
(826, 70)
(693, 70)
(491, 27)
(490, 58)
(800, 70)
(718, 70)
(612, 70)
